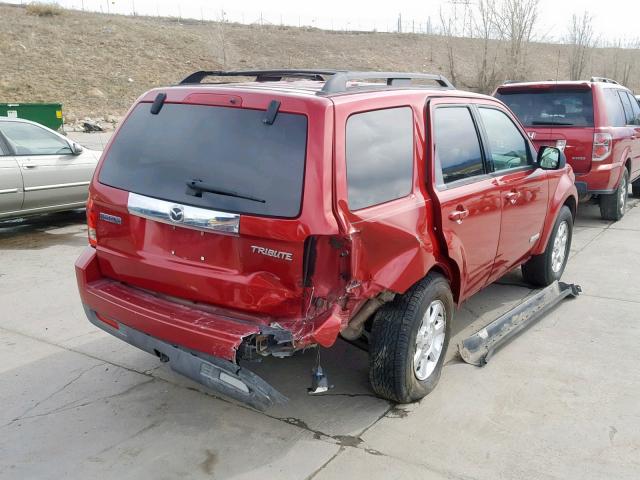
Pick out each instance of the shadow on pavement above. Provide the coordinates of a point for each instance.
(41, 231)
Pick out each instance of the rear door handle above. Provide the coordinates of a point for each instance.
(29, 165)
(513, 197)
(458, 215)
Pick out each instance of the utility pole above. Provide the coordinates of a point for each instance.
(399, 23)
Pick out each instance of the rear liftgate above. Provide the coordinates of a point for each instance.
(480, 347)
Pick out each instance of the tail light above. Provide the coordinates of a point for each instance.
(92, 223)
(561, 145)
(602, 143)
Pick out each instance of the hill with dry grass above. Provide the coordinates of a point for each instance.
(97, 64)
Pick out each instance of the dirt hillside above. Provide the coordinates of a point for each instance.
(97, 64)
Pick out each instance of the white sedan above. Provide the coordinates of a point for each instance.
(41, 170)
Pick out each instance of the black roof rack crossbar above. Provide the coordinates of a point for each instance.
(260, 75)
(603, 80)
(338, 82)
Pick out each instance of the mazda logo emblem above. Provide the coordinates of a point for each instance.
(176, 213)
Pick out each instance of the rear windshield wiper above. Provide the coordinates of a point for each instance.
(196, 187)
(565, 124)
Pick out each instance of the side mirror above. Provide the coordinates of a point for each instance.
(76, 148)
(551, 158)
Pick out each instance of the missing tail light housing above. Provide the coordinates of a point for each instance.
(92, 223)
(561, 145)
(602, 144)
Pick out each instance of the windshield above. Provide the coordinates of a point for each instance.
(569, 108)
(211, 157)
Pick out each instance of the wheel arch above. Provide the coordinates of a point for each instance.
(573, 206)
(452, 274)
(565, 195)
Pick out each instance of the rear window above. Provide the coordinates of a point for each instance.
(566, 108)
(228, 150)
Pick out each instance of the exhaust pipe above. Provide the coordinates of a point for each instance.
(482, 345)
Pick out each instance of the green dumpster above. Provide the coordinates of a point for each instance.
(47, 114)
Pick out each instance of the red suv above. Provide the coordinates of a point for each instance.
(597, 123)
(230, 221)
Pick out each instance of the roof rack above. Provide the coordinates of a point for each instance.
(335, 80)
(261, 75)
(338, 82)
(603, 80)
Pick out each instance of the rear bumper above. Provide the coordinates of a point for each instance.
(202, 344)
(218, 334)
(601, 180)
(217, 374)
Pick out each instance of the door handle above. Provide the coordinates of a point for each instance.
(459, 215)
(513, 197)
(29, 165)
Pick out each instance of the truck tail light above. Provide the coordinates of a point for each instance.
(601, 146)
(92, 223)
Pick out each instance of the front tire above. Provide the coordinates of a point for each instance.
(409, 340)
(543, 270)
(614, 205)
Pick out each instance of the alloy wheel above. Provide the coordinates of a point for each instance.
(430, 340)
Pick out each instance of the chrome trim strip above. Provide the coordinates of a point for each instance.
(9, 190)
(53, 187)
(193, 217)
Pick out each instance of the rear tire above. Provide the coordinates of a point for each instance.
(543, 270)
(409, 340)
(613, 206)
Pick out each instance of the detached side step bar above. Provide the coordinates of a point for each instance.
(481, 346)
(214, 373)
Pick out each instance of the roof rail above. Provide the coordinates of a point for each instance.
(261, 75)
(335, 80)
(603, 80)
(338, 82)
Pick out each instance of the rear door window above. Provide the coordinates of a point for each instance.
(379, 153)
(507, 147)
(229, 150)
(550, 107)
(635, 109)
(458, 155)
(626, 105)
(615, 111)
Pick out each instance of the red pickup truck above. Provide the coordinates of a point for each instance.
(229, 221)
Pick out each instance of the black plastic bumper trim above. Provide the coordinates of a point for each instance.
(214, 373)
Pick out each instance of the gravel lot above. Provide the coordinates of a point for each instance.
(560, 402)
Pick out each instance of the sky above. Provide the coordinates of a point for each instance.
(613, 19)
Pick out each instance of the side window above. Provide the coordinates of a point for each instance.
(507, 146)
(458, 153)
(29, 139)
(379, 154)
(626, 105)
(615, 113)
(635, 108)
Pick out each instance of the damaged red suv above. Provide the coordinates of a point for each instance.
(596, 123)
(229, 221)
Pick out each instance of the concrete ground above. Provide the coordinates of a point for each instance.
(560, 402)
